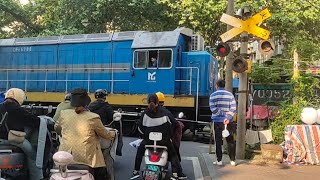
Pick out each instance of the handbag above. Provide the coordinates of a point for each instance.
(13, 136)
(16, 136)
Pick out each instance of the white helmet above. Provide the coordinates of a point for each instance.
(17, 94)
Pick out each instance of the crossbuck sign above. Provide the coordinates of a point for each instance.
(249, 25)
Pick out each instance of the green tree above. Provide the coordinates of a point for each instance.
(59, 17)
(202, 16)
(14, 16)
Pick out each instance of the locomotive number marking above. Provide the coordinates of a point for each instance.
(22, 49)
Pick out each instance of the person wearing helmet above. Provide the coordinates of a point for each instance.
(173, 120)
(80, 132)
(18, 119)
(177, 127)
(154, 119)
(105, 111)
(66, 104)
(101, 107)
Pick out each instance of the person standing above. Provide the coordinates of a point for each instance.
(223, 106)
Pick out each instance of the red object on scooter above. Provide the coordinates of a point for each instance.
(154, 158)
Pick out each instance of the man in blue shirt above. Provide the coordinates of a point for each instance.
(223, 106)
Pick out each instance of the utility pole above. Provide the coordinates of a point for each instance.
(242, 97)
(229, 76)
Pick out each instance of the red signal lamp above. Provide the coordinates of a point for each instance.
(223, 49)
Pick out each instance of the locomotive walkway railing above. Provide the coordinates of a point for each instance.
(87, 71)
(190, 69)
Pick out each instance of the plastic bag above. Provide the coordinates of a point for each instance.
(135, 143)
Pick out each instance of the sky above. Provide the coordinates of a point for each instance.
(23, 2)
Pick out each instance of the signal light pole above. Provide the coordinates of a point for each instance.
(242, 97)
(228, 72)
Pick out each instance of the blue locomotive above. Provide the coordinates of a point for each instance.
(129, 65)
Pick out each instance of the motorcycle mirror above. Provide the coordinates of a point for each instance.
(181, 114)
(50, 109)
(117, 116)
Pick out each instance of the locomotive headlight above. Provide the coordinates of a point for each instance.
(181, 114)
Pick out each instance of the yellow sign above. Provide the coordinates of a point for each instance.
(249, 25)
(249, 69)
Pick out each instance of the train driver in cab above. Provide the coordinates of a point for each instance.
(154, 62)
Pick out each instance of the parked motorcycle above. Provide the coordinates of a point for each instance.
(156, 159)
(12, 158)
(67, 169)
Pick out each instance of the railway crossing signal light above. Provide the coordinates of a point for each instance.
(223, 49)
(239, 64)
(266, 47)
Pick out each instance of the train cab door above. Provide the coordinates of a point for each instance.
(152, 71)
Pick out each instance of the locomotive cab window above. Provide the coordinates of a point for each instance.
(140, 58)
(153, 59)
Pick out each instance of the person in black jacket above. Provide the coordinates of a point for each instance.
(19, 119)
(105, 111)
(102, 108)
(176, 129)
(155, 119)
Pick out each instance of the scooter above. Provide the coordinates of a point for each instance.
(12, 158)
(67, 169)
(156, 159)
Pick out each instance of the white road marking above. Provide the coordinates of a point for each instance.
(196, 167)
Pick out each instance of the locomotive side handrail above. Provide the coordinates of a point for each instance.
(190, 85)
(87, 70)
(88, 80)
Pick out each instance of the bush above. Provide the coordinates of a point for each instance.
(289, 115)
(304, 95)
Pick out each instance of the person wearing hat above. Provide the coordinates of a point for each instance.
(19, 120)
(80, 131)
(155, 119)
